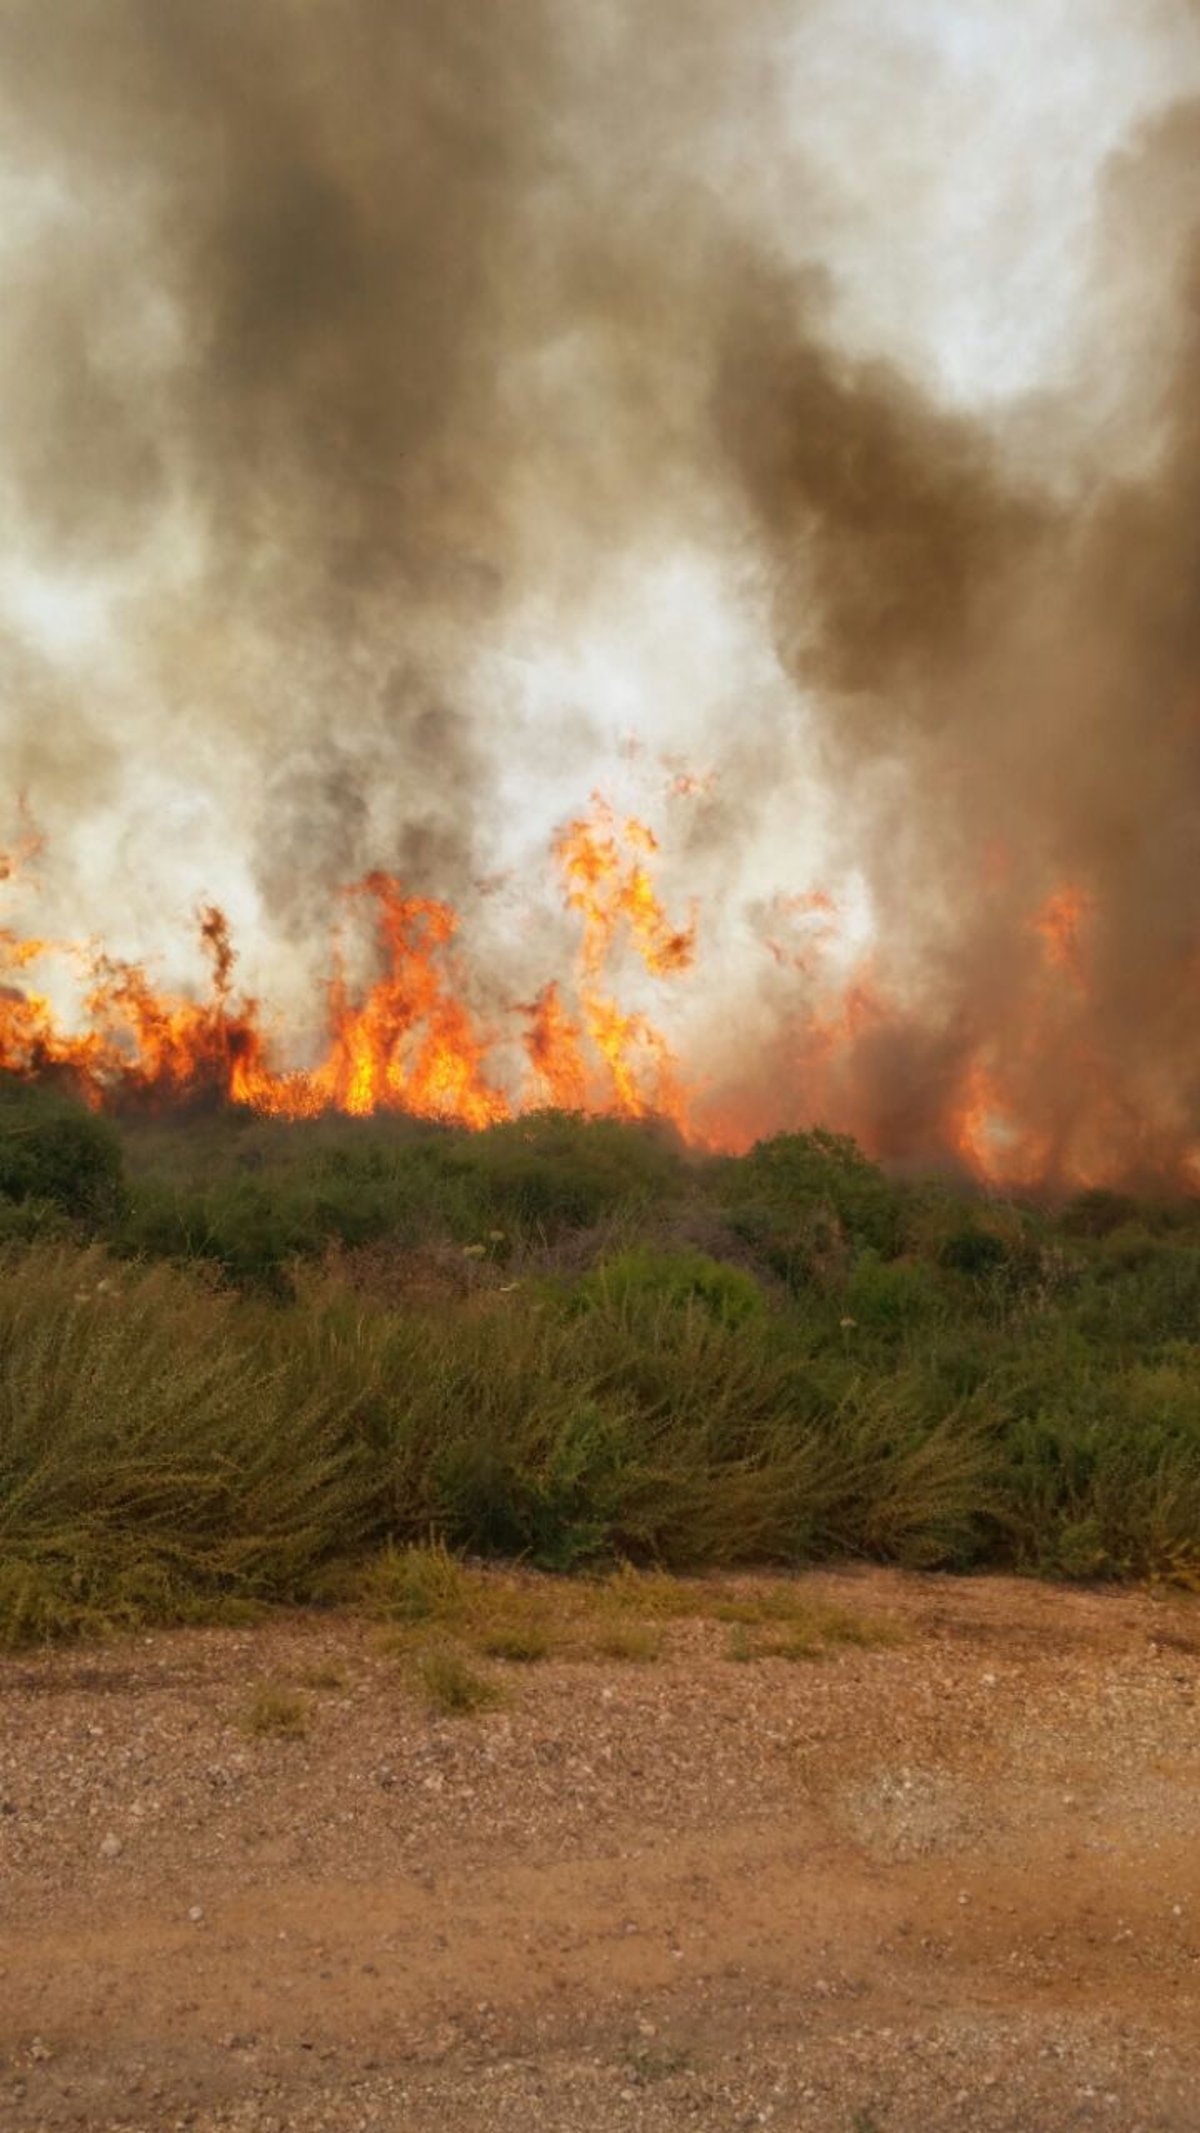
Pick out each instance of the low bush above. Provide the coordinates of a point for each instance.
(55, 1155)
(349, 1342)
(679, 1280)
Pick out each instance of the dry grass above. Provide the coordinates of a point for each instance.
(430, 1599)
(325, 1676)
(274, 1712)
(635, 1642)
(451, 1685)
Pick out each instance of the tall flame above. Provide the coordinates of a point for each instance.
(409, 1042)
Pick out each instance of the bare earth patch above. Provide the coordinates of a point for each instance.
(257, 1879)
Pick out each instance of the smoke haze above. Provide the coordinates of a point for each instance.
(404, 405)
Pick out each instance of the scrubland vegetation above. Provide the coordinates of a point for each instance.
(245, 1363)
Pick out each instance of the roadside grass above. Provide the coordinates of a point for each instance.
(156, 1465)
(451, 1686)
(423, 1593)
(352, 1358)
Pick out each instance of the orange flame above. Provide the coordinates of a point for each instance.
(611, 888)
(408, 1043)
(408, 1038)
(1061, 922)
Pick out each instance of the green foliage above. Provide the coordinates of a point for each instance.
(261, 1198)
(797, 1171)
(678, 1280)
(892, 1298)
(154, 1463)
(55, 1155)
(563, 1366)
(973, 1250)
(554, 1170)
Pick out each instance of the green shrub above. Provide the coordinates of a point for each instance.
(677, 1280)
(891, 1297)
(530, 1343)
(973, 1251)
(796, 1172)
(553, 1170)
(56, 1154)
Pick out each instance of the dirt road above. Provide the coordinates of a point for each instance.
(952, 1882)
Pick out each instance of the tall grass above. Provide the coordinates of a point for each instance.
(566, 1343)
(154, 1464)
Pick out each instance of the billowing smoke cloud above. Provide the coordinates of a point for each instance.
(1029, 665)
(340, 339)
(264, 316)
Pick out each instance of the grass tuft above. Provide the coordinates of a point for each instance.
(635, 1643)
(276, 1713)
(452, 1687)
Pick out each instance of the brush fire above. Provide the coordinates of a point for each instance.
(408, 1040)
(383, 447)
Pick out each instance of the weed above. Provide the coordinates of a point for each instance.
(419, 1584)
(652, 2063)
(451, 1686)
(636, 1643)
(521, 1643)
(324, 1676)
(275, 1712)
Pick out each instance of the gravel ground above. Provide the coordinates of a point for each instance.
(950, 1882)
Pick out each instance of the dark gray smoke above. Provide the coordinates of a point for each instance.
(269, 320)
(1032, 667)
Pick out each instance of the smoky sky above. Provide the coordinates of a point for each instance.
(339, 329)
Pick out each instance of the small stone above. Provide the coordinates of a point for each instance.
(110, 1845)
(196, 1913)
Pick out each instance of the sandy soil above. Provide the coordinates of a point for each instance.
(953, 1883)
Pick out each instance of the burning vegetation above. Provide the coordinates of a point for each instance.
(409, 1042)
(343, 406)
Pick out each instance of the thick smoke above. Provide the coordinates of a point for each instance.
(339, 334)
(266, 318)
(1030, 666)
